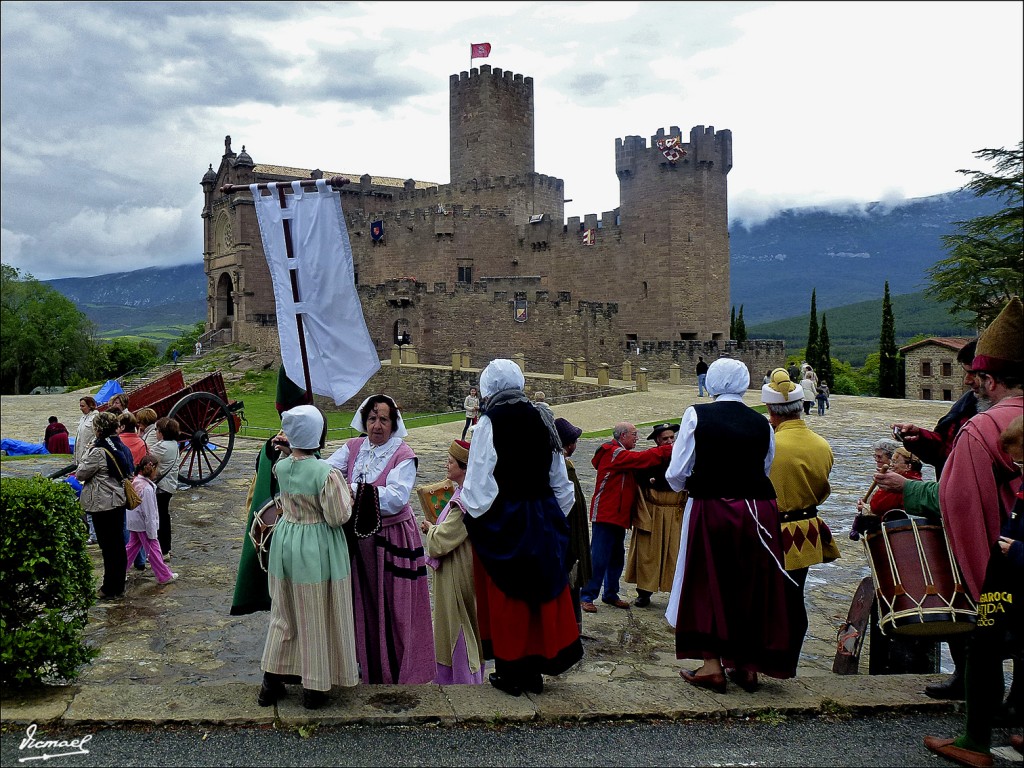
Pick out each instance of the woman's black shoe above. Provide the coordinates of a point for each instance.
(313, 699)
(535, 684)
(504, 685)
(271, 690)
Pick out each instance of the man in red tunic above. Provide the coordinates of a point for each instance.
(611, 510)
(976, 495)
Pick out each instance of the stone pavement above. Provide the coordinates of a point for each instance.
(173, 654)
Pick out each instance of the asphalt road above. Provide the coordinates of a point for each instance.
(864, 741)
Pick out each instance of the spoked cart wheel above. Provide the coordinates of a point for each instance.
(207, 436)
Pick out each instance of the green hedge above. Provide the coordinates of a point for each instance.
(47, 579)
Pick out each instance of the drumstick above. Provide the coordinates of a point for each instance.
(874, 483)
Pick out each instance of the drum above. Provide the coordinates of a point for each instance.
(917, 583)
(264, 520)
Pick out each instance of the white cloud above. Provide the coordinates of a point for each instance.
(107, 134)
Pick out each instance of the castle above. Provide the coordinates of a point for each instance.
(487, 264)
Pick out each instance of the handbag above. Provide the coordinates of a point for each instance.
(131, 497)
(366, 519)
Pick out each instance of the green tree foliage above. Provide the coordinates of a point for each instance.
(812, 333)
(44, 339)
(824, 363)
(732, 323)
(186, 342)
(888, 354)
(122, 356)
(985, 267)
(740, 333)
(48, 582)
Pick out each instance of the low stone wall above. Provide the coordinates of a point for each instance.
(436, 389)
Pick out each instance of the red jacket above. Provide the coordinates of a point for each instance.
(615, 488)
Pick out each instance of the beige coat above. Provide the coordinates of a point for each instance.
(166, 454)
(454, 593)
(100, 491)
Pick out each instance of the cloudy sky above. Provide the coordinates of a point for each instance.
(112, 112)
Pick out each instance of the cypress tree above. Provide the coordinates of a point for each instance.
(824, 367)
(732, 323)
(741, 327)
(888, 362)
(811, 355)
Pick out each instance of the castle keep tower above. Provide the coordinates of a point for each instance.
(491, 125)
(488, 265)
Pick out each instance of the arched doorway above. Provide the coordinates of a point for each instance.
(225, 306)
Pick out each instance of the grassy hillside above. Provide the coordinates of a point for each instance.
(853, 329)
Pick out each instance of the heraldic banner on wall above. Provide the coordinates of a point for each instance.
(340, 352)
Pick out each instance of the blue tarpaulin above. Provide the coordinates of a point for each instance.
(107, 391)
(21, 448)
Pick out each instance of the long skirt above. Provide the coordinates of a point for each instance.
(391, 601)
(526, 640)
(728, 599)
(310, 633)
(654, 543)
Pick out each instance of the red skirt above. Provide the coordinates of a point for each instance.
(733, 600)
(526, 639)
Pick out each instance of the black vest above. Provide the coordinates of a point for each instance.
(524, 451)
(731, 443)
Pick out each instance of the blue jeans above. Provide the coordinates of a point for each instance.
(608, 556)
(701, 378)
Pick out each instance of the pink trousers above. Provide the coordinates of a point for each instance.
(139, 540)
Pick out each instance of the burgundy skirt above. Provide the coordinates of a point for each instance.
(733, 604)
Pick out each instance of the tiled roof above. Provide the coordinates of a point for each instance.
(305, 173)
(953, 343)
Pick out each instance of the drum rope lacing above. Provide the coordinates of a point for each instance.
(919, 610)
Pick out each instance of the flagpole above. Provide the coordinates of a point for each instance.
(334, 181)
(289, 250)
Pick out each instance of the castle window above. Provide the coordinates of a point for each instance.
(947, 395)
(926, 369)
(687, 336)
(947, 369)
(926, 394)
(645, 289)
(465, 274)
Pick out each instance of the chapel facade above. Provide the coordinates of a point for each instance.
(487, 263)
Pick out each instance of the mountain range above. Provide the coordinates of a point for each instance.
(845, 256)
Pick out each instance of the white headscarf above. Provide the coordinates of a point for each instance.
(727, 377)
(501, 374)
(303, 425)
(360, 426)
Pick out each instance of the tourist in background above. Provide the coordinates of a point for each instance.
(702, 375)
(809, 384)
(143, 521)
(101, 471)
(145, 425)
(84, 433)
(472, 406)
(165, 450)
(55, 439)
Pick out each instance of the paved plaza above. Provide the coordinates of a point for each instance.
(174, 653)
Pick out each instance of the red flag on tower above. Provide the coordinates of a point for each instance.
(479, 50)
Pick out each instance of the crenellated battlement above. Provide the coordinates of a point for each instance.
(705, 147)
(497, 75)
(441, 193)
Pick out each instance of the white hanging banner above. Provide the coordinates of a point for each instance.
(339, 350)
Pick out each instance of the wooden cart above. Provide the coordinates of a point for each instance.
(207, 418)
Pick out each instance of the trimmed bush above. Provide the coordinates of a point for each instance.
(47, 579)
